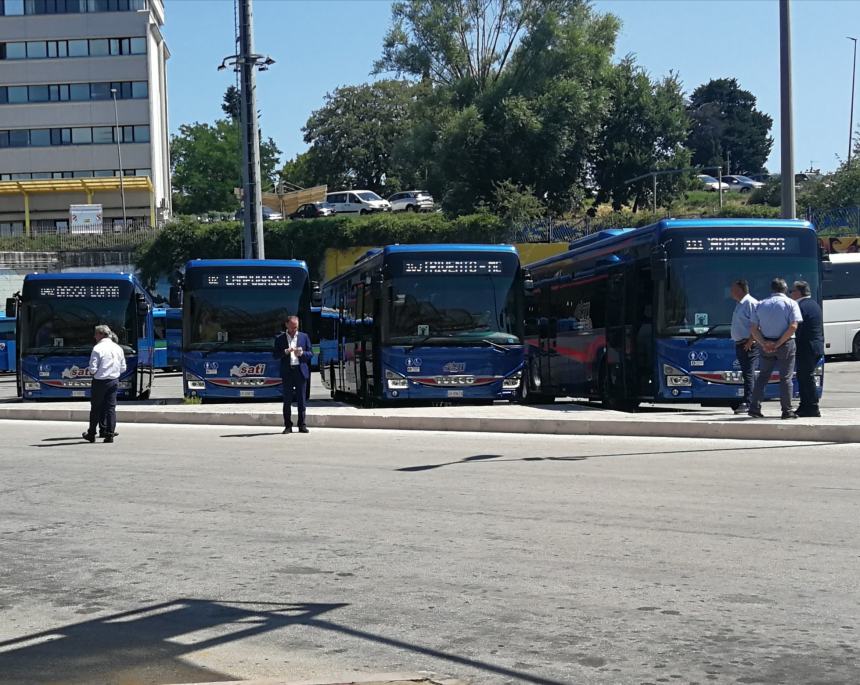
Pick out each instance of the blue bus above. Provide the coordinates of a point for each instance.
(633, 315)
(231, 311)
(159, 319)
(425, 322)
(57, 313)
(173, 335)
(7, 344)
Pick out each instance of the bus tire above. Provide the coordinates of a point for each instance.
(610, 402)
(855, 347)
(529, 396)
(145, 394)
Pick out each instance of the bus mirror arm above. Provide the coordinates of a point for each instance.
(659, 265)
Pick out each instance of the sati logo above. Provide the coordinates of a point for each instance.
(244, 369)
(76, 372)
(454, 367)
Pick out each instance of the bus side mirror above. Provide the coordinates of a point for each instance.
(659, 265)
(528, 282)
(175, 298)
(142, 305)
(11, 307)
(316, 294)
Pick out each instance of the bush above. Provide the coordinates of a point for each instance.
(188, 239)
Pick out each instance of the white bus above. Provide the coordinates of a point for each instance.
(841, 289)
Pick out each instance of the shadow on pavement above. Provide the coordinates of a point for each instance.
(497, 458)
(250, 435)
(146, 646)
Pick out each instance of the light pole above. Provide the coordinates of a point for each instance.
(788, 210)
(119, 157)
(851, 118)
(245, 63)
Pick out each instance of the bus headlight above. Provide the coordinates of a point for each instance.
(395, 381)
(669, 370)
(32, 386)
(196, 385)
(819, 370)
(679, 381)
(124, 385)
(513, 381)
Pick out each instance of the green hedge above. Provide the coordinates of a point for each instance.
(187, 239)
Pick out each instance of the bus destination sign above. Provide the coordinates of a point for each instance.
(452, 266)
(81, 291)
(248, 280)
(740, 244)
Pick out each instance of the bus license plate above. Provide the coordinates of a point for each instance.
(246, 393)
(455, 393)
(79, 393)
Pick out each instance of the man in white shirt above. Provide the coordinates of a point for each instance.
(107, 364)
(745, 349)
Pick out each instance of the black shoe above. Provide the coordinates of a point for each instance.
(808, 413)
(102, 434)
(742, 409)
(303, 429)
(755, 413)
(89, 437)
(789, 415)
(288, 429)
(108, 438)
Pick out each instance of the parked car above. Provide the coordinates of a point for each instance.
(268, 215)
(761, 178)
(357, 202)
(711, 184)
(312, 210)
(742, 184)
(412, 201)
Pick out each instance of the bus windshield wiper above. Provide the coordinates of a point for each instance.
(706, 334)
(216, 347)
(495, 345)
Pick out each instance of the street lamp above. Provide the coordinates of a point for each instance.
(851, 118)
(119, 157)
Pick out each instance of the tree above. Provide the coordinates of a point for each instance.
(515, 93)
(232, 105)
(299, 171)
(206, 161)
(726, 124)
(643, 130)
(353, 133)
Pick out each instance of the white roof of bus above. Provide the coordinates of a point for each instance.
(844, 257)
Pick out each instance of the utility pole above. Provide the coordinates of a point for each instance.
(788, 210)
(851, 118)
(252, 198)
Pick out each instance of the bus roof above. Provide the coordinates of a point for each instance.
(81, 276)
(264, 263)
(449, 247)
(618, 235)
(844, 257)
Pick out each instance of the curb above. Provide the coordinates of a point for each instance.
(738, 429)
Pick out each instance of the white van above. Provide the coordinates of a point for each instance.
(841, 295)
(357, 202)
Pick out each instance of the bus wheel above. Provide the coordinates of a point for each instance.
(856, 347)
(145, 394)
(528, 396)
(608, 401)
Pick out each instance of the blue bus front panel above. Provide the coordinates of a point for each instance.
(707, 370)
(56, 378)
(232, 375)
(444, 373)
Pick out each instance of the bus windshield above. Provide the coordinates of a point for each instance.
(65, 326)
(696, 298)
(452, 308)
(239, 318)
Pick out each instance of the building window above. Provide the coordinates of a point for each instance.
(141, 134)
(79, 48)
(38, 93)
(17, 95)
(139, 89)
(98, 135)
(100, 91)
(103, 173)
(40, 137)
(12, 8)
(102, 134)
(40, 175)
(138, 46)
(52, 49)
(82, 136)
(99, 48)
(79, 92)
(19, 138)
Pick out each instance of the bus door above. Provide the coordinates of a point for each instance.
(619, 368)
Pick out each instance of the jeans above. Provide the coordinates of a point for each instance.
(103, 405)
(783, 358)
(747, 361)
(294, 386)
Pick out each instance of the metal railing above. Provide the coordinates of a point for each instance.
(839, 221)
(49, 237)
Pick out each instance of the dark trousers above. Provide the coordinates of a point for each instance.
(783, 359)
(806, 382)
(295, 388)
(103, 406)
(747, 361)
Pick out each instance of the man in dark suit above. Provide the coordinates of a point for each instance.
(293, 349)
(810, 347)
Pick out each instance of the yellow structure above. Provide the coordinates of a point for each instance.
(338, 261)
(88, 186)
(287, 203)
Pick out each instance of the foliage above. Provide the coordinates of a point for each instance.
(299, 171)
(840, 189)
(232, 104)
(514, 204)
(770, 194)
(352, 134)
(644, 129)
(187, 239)
(207, 165)
(726, 123)
(526, 110)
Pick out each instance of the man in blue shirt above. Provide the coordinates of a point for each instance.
(810, 347)
(774, 323)
(745, 347)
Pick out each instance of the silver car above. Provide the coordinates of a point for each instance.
(412, 201)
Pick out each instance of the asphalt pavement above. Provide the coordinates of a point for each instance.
(205, 553)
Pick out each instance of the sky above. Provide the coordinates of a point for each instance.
(319, 45)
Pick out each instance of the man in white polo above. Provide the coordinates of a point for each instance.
(107, 364)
